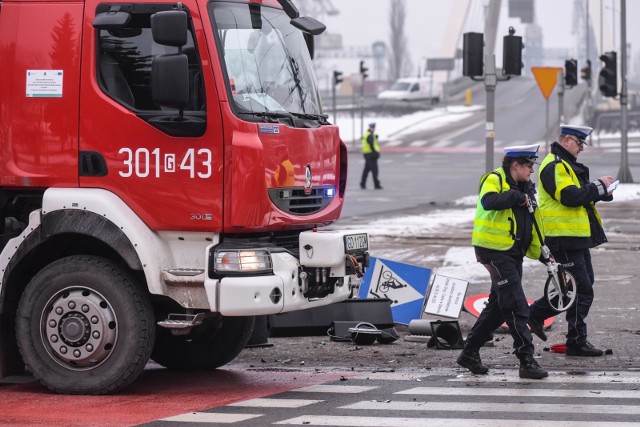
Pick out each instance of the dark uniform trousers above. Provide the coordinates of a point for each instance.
(370, 165)
(507, 303)
(578, 263)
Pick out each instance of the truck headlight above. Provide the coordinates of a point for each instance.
(242, 261)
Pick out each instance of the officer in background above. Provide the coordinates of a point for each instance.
(371, 151)
(503, 235)
(572, 226)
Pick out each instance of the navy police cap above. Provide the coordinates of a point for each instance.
(581, 132)
(529, 152)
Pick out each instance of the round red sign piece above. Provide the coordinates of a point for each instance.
(474, 304)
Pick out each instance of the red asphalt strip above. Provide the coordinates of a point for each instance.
(157, 393)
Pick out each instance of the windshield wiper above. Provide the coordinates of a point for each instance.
(322, 118)
(268, 116)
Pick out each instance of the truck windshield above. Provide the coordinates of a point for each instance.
(266, 60)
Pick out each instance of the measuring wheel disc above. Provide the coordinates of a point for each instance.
(561, 296)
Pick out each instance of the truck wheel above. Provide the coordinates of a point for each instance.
(207, 347)
(84, 327)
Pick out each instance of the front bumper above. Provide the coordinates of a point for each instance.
(323, 275)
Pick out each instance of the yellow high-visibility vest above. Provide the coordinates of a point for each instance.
(558, 219)
(496, 229)
(366, 148)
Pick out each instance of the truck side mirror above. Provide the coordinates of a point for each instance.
(170, 80)
(169, 27)
(170, 73)
(310, 27)
(308, 38)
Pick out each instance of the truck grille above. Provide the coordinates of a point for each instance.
(294, 200)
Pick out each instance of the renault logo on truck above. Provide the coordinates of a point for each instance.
(307, 180)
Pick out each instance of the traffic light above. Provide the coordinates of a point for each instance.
(512, 54)
(472, 52)
(363, 70)
(571, 72)
(337, 77)
(608, 81)
(585, 72)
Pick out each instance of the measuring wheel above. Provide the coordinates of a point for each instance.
(561, 294)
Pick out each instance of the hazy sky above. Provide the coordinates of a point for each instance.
(362, 22)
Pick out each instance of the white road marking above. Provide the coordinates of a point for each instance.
(392, 143)
(518, 407)
(553, 378)
(348, 421)
(521, 392)
(442, 143)
(275, 403)
(210, 417)
(393, 376)
(329, 388)
(418, 143)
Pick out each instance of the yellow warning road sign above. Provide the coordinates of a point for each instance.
(547, 77)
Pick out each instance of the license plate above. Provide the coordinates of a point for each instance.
(356, 242)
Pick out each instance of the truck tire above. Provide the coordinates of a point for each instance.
(84, 326)
(206, 348)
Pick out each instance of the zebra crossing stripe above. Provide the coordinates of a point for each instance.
(389, 376)
(525, 392)
(519, 407)
(275, 403)
(210, 417)
(329, 388)
(351, 421)
(418, 143)
(393, 143)
(556, 377)
(442, 143)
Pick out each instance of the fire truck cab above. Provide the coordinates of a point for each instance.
(167, 173)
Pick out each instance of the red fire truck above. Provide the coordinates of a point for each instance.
(166, 173)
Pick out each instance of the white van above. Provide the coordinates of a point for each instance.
(412, 89)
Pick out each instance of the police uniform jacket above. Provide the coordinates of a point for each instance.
(499, 204)
(578, 196)
(370, 143)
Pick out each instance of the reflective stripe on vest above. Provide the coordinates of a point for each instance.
(558, 219)
(366, 148)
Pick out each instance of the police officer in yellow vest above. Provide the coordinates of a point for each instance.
(503, 235)
(371, 151)
(572, 226)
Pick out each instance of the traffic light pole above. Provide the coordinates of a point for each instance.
(561, 87)
(335, 109)
(335, 81)
(362, 109)
(491, 80)
(624, 175)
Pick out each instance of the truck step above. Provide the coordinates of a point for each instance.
(185, 271)
(181, 324)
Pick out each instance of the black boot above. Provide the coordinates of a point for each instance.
(537, 328)
(586, 349)
(529, 368)
(470, 358)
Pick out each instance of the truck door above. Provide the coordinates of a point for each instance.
(164, 161)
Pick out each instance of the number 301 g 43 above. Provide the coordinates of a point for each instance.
(143, 163)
